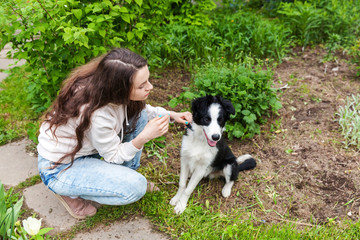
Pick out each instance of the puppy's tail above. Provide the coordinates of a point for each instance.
(246, 162)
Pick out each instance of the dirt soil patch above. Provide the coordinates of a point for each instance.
(304, 173)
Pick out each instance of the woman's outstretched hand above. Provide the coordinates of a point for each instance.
(181, 117)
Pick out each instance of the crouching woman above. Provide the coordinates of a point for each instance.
(92, 137)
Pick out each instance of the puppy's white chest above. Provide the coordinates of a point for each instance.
(197, 153)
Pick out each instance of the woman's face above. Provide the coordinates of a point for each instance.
(141, 85)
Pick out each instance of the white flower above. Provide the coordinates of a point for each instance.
(32, 225)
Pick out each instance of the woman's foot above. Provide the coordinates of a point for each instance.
(77, 207)
(151, 187)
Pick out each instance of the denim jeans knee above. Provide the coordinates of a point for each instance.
(94, 179)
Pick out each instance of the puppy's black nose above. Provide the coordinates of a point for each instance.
(215, 137)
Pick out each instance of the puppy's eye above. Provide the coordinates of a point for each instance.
(207, 119)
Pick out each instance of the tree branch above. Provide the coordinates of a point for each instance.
(45, 9)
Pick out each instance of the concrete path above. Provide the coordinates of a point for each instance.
(16, 165)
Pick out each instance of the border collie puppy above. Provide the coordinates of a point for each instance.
(204, 152)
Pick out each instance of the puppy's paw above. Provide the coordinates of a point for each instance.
(174, 201)
(226, 191)
(179, 208)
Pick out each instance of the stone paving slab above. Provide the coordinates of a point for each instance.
(138, 229)
(6, 49)
(10, 63)
(16, 165)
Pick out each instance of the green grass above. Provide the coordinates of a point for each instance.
(15, 112)
(202, 220)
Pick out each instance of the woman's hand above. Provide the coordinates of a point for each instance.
(181, 117)
(156, 127)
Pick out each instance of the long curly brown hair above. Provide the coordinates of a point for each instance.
(106, 79)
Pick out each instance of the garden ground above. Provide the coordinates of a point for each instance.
(305, 173)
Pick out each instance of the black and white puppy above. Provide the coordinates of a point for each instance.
(204, 152)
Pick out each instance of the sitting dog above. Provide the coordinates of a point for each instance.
(204, 152)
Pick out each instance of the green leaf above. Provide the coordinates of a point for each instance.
(2, 201)
(160, 145)
(250, 118)
(139, 34)
(67, 36)
(102, 32)
(237, 107)
(12, 214)
(130, 36)
(139, 2)
(126, 17)
(44, 231)
(173, 102)
(77, 13)
(245, 112)
(123, 10)
(100, 19)
(189, 95)
(97, 8)
(207, 83)
(140, 25)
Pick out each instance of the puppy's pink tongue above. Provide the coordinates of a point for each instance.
(211, 143)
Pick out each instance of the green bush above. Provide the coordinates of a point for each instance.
(315, 21)
(355, 53)
(57, 36)
(182, 45)
(252, 35)
(249, 91)
(308, 24)
(229, 36)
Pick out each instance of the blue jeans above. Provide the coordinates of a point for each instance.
(94, 179)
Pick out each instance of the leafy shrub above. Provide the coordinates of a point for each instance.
(249, 91)
(349, 120)
(307, 22)
(315, 21)
(57, 36)
(343, 19)
(355, 53)
(251, 34)
(230, 36)
(182, 45)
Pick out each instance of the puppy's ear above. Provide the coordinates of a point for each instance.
(196, 104)
(229, 108)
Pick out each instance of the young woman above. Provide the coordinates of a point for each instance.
(91, 139)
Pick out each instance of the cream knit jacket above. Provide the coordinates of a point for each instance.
(102, 137)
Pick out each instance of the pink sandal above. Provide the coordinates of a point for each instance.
(151, 187)
(77, 207)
